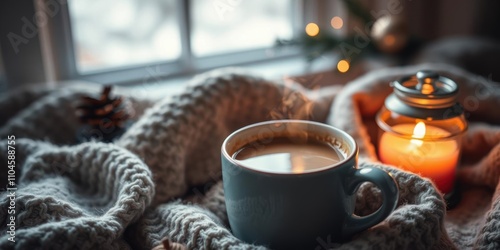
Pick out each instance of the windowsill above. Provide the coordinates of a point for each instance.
(320, 73)
(275, 70)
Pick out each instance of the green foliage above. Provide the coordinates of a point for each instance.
(314, 47)
(323, 43)
(355, 9)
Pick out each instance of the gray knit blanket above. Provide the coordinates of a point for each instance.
(162, 178)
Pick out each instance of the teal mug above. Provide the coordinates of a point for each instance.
(285, 208)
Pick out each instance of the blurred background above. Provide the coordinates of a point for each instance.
(134, 42)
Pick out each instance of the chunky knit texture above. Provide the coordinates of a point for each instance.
(162, 177)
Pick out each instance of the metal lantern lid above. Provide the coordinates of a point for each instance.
(426, 95)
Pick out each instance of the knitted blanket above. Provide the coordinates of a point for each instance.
(163, 176)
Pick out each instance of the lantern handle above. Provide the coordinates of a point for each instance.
(427, 81)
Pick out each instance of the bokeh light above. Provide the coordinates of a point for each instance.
(312, 29)
(337, 22)
(343, 66)
(389, 40)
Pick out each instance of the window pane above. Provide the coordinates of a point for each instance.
(220, 26)
(108, 33)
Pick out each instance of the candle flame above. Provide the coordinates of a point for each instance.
(419, 133)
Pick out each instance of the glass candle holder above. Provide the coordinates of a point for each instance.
(421, 125)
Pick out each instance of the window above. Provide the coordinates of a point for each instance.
(247, 25)
(109, 34)
(134, 40)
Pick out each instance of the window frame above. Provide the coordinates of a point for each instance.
(65, 59)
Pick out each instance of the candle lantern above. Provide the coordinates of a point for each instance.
(421, 125)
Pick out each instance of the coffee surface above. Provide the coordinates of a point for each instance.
(283, 155)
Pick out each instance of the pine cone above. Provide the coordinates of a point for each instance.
(104, 118)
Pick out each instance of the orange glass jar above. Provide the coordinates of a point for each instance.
(421, 125)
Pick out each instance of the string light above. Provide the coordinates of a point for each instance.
(337, 22)
(312, 29)
(343, 66)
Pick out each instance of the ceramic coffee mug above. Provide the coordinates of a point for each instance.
(297, 209)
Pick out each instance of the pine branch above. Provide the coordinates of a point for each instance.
(354, 7)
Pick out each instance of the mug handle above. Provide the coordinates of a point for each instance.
(390, 193)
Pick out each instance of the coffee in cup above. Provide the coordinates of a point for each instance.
(289, 155)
